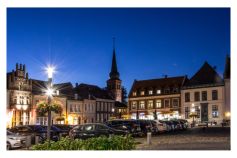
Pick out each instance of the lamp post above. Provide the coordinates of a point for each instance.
(49, 93)
(193, 114)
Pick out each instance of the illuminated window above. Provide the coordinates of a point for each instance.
(134, 105)
(150, 92)
(158, 103)
(134, 93)
(150, 104)
(142, 92)
(142, 105)
(197, 109)
(215, 112)
(158, 91)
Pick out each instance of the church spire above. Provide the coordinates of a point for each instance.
(114, 74)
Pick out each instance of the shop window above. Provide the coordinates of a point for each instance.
(186, 112)
(215, 112)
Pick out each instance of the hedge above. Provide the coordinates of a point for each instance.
(97, 143)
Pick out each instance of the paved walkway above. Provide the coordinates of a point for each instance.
(213, 138)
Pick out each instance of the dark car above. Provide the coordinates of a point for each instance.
(177, 124)
(184, 123)
(93, 130)
(62, 129)
(147, 126)
(130, 126)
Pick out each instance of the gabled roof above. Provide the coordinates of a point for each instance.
(86, 91)
(206, 75)
(39, 87)
(158, 83)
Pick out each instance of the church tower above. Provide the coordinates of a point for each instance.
(114, 83)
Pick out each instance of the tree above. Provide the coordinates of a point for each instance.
(124, 95)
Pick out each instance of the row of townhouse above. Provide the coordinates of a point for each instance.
(206, 94)
(83, 103)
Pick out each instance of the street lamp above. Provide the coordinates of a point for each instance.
(193, 114)
(49, 92)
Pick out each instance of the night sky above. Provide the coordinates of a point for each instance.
(150, 43)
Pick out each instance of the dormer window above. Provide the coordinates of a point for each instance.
(158, 91)
(150, 92)
(167, 90)
(134, 93)
(142, 92)
(176, 90)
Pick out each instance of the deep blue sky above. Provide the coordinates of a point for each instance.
(149, 42)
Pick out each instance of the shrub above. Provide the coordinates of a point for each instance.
(97, 143)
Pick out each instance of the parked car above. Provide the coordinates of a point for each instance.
(34, 130)
(169, 125)
(62, 129)
(184, 123)
(14, 140)
(146, 126)
(162, 127)
(93, 130)
(177, 125)
(154, 128)
(130, 126)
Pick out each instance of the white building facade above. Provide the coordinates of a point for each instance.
(207, 102)
(203, 97)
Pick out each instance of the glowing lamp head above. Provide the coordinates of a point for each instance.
(49, 92)
(50, 70)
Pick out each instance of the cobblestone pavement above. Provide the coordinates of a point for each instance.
(212, 138)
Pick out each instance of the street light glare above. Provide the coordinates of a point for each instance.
(49, 92)
(50, 70)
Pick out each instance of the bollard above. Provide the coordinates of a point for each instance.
(36, 140)
(28, 142)
(148, 138)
